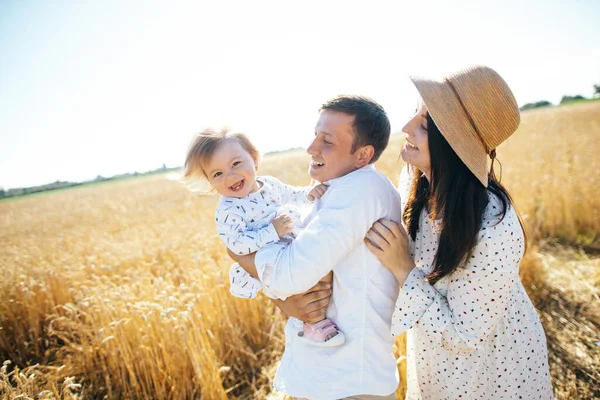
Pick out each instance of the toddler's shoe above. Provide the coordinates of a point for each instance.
(323, 334)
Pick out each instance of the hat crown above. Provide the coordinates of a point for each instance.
(488, 102)
(474, 110)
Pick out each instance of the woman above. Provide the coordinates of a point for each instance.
(472, 330)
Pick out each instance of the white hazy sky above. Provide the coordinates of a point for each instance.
(107, 87)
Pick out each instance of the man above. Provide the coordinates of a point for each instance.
(350, 135)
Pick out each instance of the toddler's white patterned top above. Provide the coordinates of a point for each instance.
(244, 224)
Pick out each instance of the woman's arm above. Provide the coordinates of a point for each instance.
(388, 241)
(477, 293)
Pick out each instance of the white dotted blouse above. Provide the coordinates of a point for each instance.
(473, 334)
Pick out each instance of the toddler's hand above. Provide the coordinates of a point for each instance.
(317, 192)
(283, 225)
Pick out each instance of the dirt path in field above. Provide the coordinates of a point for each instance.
(569, 305)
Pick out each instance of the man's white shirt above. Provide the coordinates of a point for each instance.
(364, 291)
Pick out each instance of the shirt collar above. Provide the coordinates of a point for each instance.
(368, 166)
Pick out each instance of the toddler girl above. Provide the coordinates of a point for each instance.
(250, 213)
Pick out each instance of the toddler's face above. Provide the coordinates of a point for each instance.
(232, 170)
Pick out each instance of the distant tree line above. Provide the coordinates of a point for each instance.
(283, 151)
(63, 184)
(537, 104)
(565, 99)
(36, 189)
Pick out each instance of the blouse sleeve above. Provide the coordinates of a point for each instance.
(477, 294)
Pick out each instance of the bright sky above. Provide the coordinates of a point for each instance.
(105, 87)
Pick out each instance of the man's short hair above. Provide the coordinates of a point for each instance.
(371, 123)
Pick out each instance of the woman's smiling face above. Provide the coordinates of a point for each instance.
(416, 148)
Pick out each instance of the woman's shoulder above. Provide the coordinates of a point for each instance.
(405, 178)
(500, 213)
(404, 183)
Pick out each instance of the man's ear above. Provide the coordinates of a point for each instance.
(365, 155)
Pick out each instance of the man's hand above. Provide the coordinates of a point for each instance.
(310, 306)
(307, 307)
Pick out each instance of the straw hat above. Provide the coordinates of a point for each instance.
(474, 110)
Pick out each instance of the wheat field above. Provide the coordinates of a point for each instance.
(119, 290)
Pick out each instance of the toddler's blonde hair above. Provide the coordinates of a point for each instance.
(205, 143)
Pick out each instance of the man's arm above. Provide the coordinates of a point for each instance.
(307, 307)
(246, 261)
(310, 306)
(337, 229)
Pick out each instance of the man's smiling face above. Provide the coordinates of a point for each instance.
(331, 149)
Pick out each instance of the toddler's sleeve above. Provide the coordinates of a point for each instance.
(233, 230)
(294, 196)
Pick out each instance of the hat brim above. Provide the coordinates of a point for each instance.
(451, 119)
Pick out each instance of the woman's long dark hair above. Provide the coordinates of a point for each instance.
(455, 195)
